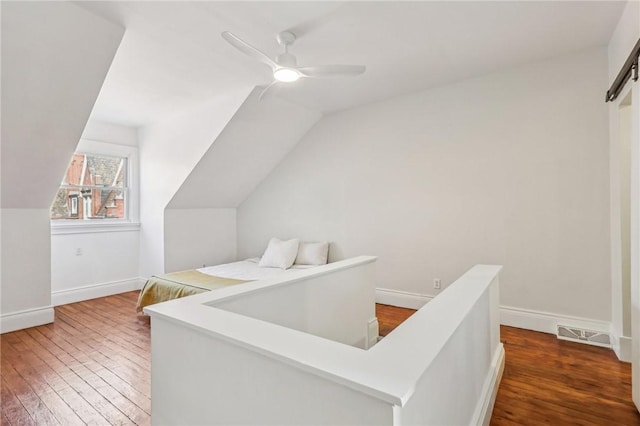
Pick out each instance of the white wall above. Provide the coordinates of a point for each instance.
(461, 381)
(168, 153)
(244, 388)
(441, 366)
(627, 346)
(625, 215)
(26, 278)
(252, 143)
(111, 133)
(194, 238)
(265, 372)
(55, 56)
(93, 264)
(95, 261)
(620, 196)
(200, 219)
(624, 37)
(337, 308)
(509, 168)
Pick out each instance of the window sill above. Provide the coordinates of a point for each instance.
(82, 227)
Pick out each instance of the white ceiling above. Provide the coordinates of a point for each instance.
(172, 56)
(243, 156)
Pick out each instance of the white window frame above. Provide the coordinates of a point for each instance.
(132, 221)
(74, 206)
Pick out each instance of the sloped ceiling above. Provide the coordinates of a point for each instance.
(173, 55)
(254, 141)
(55, 57)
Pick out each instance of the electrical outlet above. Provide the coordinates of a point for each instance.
(437, 283)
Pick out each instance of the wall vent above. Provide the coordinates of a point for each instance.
(581, 335)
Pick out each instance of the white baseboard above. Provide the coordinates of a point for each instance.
(78, 294)
(401, 299)
(373, 332)
(484, 408)
(528, 319)
(24, 319)
(621, 345)
(547, 322)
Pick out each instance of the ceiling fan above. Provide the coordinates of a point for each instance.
(285, 68)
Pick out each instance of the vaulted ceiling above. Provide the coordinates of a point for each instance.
(172, 55)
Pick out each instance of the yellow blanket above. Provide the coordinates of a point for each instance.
(160, 288)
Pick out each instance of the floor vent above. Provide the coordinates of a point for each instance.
(584, 336)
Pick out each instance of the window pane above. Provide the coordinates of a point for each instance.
(61, 207)
(74, 172)
(94, 187)
(89, 203)
(96, 170)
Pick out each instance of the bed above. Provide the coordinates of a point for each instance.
(278, 260)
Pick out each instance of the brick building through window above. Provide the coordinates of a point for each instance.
(94, 187)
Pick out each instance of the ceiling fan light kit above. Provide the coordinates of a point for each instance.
(286, 75)
(284, 67)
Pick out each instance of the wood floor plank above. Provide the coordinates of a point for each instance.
(67, 367)
(95, 359)
(127, 332)
(82, 360)
(88, 324)
(30, 370)
(389, 317)
(106, 314)
(67, 392)
(82, 337)
(552, 381)
(12, 408)
(115, 363)
(4, 420)
(37, 409)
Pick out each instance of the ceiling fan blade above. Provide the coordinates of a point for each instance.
(247, 49)
(267, 89)
(326, 71)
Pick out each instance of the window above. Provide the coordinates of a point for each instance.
(94, 187)
(98, 191)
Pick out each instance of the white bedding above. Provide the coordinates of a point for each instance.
(248, 270)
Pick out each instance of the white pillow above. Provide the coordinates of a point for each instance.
(312, 254)
(280, 254)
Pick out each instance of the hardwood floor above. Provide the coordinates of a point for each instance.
(555, 382)
(92, 367)
(389, 317)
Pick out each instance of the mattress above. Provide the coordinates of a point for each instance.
(174, 285)
(248, 270)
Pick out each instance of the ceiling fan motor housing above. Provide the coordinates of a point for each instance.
(286, 38)
(286, 60)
